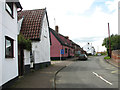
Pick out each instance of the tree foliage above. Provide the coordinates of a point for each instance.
(25, 43)
(115, 42)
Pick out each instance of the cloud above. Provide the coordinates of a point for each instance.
(81, 20)
(87, 39)
(112, 5)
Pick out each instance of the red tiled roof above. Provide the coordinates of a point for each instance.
(32, 23)
(62, 39)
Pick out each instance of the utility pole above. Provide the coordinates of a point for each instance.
(109, 40)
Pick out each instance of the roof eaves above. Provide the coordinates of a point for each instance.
(37, 39)
(18, 5)
(56, 36)
(41, 25)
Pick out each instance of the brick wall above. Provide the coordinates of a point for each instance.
(116, 55)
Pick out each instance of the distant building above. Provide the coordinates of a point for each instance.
(78, 49)
(90, 50)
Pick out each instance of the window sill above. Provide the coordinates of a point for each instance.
(8, 57)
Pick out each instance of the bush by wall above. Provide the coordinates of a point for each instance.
(25, 43)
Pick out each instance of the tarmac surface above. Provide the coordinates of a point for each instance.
(43, 78)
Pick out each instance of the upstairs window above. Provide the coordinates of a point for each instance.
(9, 8)
(9, 47)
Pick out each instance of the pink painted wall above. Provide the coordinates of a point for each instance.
(55, 47)
(71, 51)
(65, 54)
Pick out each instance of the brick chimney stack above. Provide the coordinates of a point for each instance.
(57, 29)
(67, 37)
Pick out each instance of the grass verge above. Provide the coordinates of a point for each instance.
(107, 57)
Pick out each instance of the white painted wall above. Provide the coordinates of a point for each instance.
(26, 57)
(119, 18)
(9, 28)
(42, 48)
(1, 43)
(20, 24)
(88, 48)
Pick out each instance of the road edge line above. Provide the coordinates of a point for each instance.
(102, 78)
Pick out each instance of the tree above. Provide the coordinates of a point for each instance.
(25, 43)
(115, 42)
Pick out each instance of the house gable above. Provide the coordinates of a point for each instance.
(55, 46)
(56, 36)
(32, 23)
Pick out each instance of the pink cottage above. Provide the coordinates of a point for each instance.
(58, 43)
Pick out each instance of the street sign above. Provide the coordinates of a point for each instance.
(61, 51)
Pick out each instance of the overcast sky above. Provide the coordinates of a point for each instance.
(82, 20)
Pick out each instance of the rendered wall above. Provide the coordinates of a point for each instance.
(55, 47)
(88, 48)
(41, 48)
(1, 43)
(65, 54)
(26, 57)
(9, 28)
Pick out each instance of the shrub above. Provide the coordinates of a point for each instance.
(107, 57)
(25, 43)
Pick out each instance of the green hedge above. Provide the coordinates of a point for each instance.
(25, 43)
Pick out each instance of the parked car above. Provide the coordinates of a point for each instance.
(82, 57)
(99, 54)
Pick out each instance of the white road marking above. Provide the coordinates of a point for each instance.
(102, 78)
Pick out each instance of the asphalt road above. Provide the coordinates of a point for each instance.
(93, 73)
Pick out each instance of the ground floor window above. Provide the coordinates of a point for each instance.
(9, 47)
(65, 50)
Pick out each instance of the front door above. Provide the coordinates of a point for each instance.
(20, 61)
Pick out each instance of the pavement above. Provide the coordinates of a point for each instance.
(112, 62)
(42, 78)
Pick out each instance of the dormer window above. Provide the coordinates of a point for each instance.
(9, 8)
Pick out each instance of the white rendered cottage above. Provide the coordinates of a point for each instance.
(89, 49)
(8, 41)
(35, 26)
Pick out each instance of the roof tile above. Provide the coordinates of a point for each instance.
(32, 23)
(63, 40)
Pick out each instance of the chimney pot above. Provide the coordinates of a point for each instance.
(56, 29)
(67, 37)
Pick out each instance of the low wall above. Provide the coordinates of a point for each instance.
(26, 61)
(116, 55)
